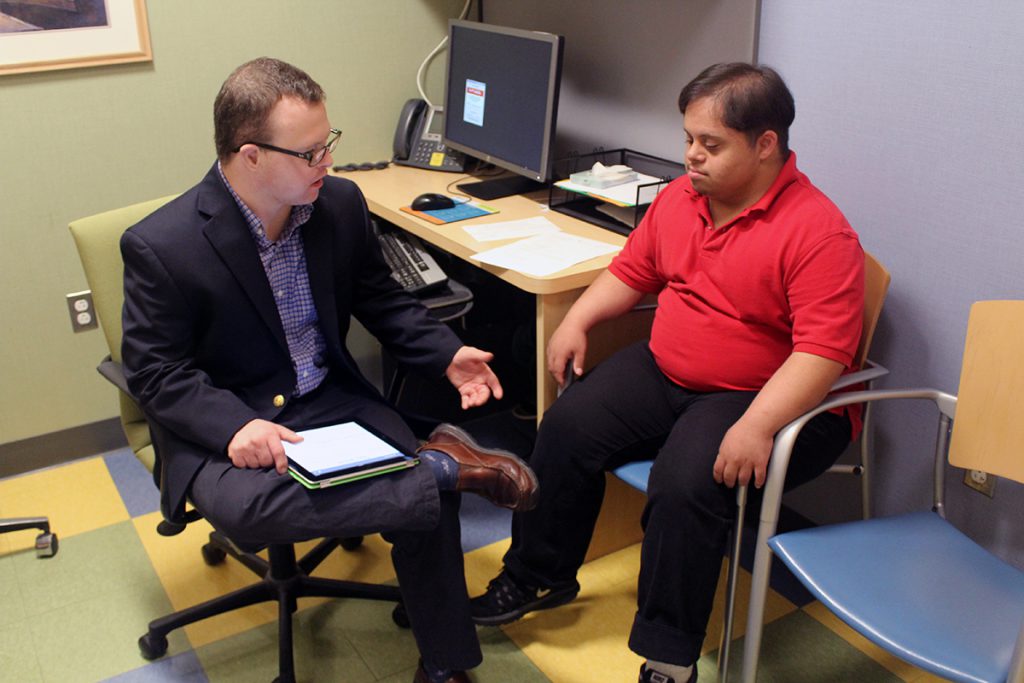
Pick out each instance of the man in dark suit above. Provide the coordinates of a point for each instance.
(238, 300)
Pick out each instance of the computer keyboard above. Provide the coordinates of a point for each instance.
(411, 265)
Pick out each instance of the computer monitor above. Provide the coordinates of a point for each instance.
(501, 102)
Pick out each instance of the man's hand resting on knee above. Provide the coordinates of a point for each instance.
(258, 444)
(743, 456)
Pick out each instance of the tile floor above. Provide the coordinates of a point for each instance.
(77, 616)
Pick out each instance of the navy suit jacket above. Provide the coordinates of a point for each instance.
(203, 347)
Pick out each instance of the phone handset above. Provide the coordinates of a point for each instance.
(415, 145)
(408, 120)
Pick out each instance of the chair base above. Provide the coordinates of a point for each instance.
(284, 580)
(46, 542)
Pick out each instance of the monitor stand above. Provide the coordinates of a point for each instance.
(505, 186)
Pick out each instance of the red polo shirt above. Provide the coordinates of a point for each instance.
(735, 301)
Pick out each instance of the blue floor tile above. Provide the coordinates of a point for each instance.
(482, 522)
(183, 668)
(134, 482)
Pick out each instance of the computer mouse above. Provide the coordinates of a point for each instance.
(432, 201)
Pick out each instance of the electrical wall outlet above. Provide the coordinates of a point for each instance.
(982, 482)
(83, 313)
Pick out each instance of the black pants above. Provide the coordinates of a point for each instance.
(626, 409)
(421, 523)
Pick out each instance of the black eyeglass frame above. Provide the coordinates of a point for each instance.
(312, 157)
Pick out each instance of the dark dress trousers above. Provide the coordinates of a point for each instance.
(205, 352)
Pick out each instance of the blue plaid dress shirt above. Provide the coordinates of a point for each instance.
(284, 262)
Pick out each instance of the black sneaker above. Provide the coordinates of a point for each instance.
(507, 600)
(652, 676)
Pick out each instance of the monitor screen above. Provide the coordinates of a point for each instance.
(501, 100)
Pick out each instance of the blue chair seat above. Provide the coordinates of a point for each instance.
(881, 576)
(635, 473)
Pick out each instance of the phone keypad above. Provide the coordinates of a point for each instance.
(435, 155)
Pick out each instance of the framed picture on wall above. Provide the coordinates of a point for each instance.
(44, 35)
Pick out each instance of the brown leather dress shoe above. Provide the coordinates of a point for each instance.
(456, 677)
(498, 476)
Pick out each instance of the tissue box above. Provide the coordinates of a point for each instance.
(602, 180)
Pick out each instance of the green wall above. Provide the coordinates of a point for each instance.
(77, 142)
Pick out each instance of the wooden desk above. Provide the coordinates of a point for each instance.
(388, 189)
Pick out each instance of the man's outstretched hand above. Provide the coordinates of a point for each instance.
(471, 375)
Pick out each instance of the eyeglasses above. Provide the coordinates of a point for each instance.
(312, 157)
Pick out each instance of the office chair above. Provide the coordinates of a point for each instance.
(284, 577)
(912, 583)
(46, 541)
(636, 474)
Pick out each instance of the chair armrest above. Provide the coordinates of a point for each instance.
(173, 523)
(785, 439)
(114, 373)
(871, 371)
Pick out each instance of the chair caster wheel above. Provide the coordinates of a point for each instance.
(46, 545)
(212, 555)
(351, 543)
(152, 646)
(400, 616)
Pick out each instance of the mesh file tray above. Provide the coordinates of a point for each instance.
(617, 208)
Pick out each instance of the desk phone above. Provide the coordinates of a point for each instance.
(416, 145)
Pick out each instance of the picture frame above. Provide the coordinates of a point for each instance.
(47, 35)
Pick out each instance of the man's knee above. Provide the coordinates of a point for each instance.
(562, 421)
(684, 491)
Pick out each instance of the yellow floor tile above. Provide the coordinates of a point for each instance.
(188, 580)
(483, 564)
(615, 568)
(77, 497)
(908, 672)
(586, 640)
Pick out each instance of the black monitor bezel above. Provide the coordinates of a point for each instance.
(556, 43)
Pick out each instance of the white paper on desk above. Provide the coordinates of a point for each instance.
(506, 230)
(337, 447)
(625, 194)
(545, 254)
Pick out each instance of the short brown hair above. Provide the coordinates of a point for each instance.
(242, 107)
(752, 98)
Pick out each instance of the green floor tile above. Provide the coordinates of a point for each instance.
(106, 560)
(12, 602)
(322, 653)
(503, 661)
(355, 641)
(799, 649)
(367, 625)
(87, 607)
(19, 659)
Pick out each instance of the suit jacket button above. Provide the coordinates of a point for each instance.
(278, 401)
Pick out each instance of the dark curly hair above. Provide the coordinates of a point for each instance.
(752, 98)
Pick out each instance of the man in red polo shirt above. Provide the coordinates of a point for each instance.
(760, 285)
